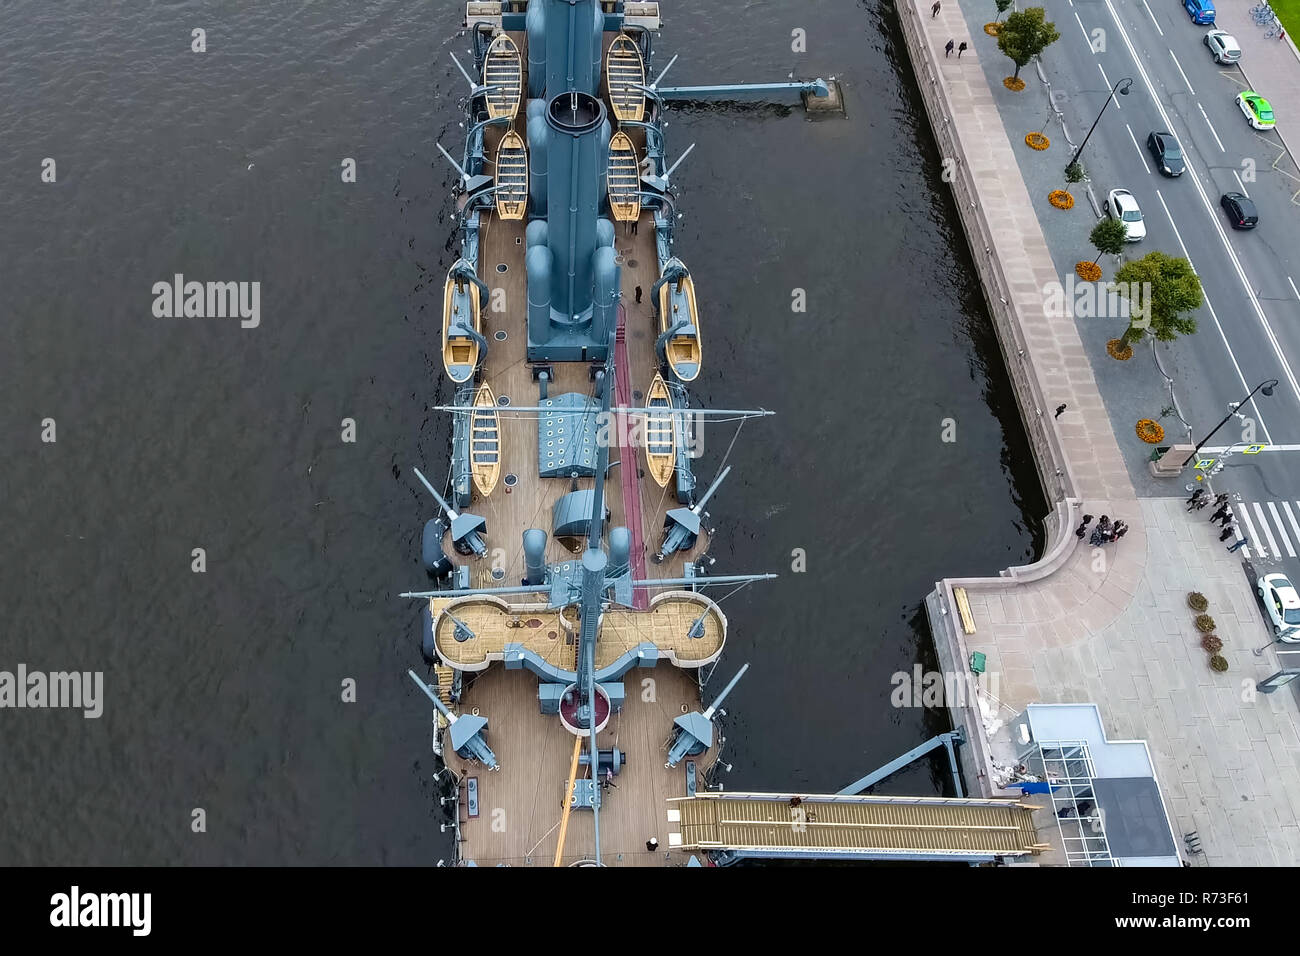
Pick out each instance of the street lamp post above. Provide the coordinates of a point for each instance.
(1122, 87)
(1267, 388)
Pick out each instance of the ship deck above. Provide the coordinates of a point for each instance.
(519, 807)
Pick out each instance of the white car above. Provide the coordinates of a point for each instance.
(1223, 46)
(1121, 205)
(1282, 605)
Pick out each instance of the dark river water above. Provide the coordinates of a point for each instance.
(222, 688)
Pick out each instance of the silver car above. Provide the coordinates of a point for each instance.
(1223, 46)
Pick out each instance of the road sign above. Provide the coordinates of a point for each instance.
(1254, 449)
(1205, 463)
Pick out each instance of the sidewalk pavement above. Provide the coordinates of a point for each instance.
(1271, 66)
(1226, 758)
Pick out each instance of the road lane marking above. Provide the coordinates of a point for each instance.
(1293, 288)
(1178, 234)
(1247, 195)
(1151, 15)
(1286, 506)
(1141, 155)
(1240, 376)
(1109, 86)
(1286, 542)
(1214, 219)
(1184, 75)
(1086, 39)
(1268, 530)
(1249, 534)
(1212, 132)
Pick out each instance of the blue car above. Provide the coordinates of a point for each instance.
(1201, 11)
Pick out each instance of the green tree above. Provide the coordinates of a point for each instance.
(1108, 236)
(1003, 7)
(1166, 290)
(1025, 34)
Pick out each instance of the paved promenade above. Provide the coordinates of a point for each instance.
(1108, 626)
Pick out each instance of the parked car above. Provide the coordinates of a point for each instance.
(1241, 211)
(1201, 11)
(1257, 110)
(1121, 205)
(1168, 154)
(1282, 605)
(1223, 46)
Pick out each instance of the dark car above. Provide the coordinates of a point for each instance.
(1167, 152)
(1241, 211)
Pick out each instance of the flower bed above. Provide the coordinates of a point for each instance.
(992, 29)
(1153, 433)
(1014, 83)
(1119, 349)
(1037, 141)
(1060, 199)
(1088, 271)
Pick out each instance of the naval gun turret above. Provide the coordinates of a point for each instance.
(682, 525)
(695, 730)
(466, 529)
(466, 730)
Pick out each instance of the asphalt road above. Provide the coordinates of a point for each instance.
(1249, 329)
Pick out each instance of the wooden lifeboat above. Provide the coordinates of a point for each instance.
(623, 179)
(503, 72)
(660, 440)
(512, 176)
(682, 350)
(460, 309)
(624, 73)
(485, 441)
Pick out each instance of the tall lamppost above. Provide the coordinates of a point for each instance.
(1122, 87)
(1267, 388)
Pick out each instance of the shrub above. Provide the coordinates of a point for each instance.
(1197, 601)
(1204, 623)
(1212, 643)
(1218, 663)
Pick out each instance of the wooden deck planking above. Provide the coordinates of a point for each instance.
(535, 750)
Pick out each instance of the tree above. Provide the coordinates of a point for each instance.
(1024, 35)
(1170, 289)
(1003, 6)
(1074, 174)
(1108, 236)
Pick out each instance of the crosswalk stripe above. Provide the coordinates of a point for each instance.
(1250, 529)
(1268, 531)
(1295, 526)
(1281, 529)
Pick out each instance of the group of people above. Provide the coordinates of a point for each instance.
(1106, 532)
(1200, 499)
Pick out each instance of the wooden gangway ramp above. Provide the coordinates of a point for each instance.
(791, 826)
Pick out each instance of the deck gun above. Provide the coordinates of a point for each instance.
(682, 525)
(466, 730)
(466, 529)
(695, 730)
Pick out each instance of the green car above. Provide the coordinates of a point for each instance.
(1257, 110)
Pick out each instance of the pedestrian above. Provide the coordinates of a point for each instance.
(795, 801)
(1242, 543)
(635, 223)
(1078, 532)
(961, 48)
(652, 844)
(948, 48)
(934, 10)
(1123, 530)
(1202, 503)
(1228, 532)
(1222, 512)
(638, 295)
(1196, 496)
(1228, 516)
(1221, 498)
(1059, 408)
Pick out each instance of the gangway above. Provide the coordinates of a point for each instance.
(836, 826)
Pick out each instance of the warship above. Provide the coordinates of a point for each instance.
(573, 618)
